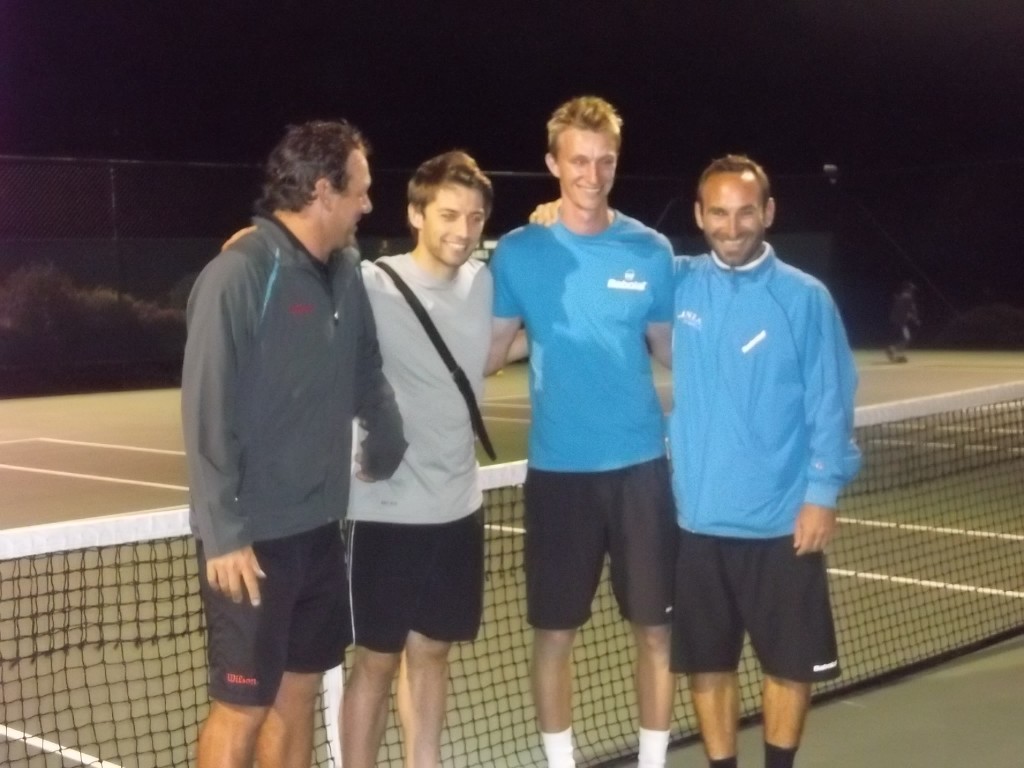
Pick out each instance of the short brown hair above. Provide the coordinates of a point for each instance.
(315, 150)
(454, 167)
(587, 113)
(736, 164)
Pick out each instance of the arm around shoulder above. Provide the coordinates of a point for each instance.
(508, 343)
(659, 341)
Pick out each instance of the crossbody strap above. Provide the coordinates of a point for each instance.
(453, 367)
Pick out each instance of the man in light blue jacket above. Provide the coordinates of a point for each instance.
(762, 443)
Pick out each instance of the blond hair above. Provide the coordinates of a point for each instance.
(587, 113)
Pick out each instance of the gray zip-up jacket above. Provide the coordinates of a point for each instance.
(281, 355)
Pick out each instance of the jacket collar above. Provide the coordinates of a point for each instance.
(281, 234)
(755, 267)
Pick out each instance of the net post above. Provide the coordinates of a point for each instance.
(331, 689)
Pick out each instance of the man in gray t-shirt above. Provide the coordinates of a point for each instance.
(415, 541)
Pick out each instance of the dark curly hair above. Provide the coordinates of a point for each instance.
(315, 150)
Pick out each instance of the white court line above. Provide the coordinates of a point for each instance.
(946, 446)
(110, 446)
(987, 448)
(505, 529)
(19, 440)
(513, 419)
(926, 583)
(101, 478)
(897, 442)
(879, 576)
(500, 398)
(49, 746)
(932, 529)
(885, 577)
(963, 430)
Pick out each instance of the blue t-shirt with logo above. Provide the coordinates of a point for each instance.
(586, 302)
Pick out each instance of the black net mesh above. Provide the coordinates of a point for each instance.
(103, 647)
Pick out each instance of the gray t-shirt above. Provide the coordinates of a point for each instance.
(437, 480)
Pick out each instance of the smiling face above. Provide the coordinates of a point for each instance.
(448, 228)
(584, 164)
(734, 214)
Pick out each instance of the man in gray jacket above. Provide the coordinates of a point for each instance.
(281, 356)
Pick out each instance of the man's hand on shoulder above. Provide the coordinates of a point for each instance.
(237, 574)
(546, 214)
(815, 527)
(236, 237)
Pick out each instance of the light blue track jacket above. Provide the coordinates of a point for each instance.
(763, 383)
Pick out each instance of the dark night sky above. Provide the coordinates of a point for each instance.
(863, 83)
(870, 85)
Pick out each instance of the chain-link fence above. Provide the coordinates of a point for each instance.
(96, 260)
(97, 257)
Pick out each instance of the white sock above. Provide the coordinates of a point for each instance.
(558, 749)
(653, 748)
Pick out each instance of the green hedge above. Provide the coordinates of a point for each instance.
(66, 337)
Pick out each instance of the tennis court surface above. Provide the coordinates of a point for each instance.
(101, 635)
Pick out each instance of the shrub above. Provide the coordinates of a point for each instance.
(46, 320)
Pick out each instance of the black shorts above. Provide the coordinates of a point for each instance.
(423, 578)
(301, 624)
(728, 586)
(574, 518)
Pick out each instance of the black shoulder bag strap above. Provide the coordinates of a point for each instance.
(457, 373)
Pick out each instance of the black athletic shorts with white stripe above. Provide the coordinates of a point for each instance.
(728, 586)
(423, 578)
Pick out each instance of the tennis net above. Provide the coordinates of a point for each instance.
(103, 647)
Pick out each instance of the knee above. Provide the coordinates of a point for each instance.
(234, 721)
(712, 682)
(377, 669)
(422, 651)
(653, 641)
(553, 643)
(298, 691)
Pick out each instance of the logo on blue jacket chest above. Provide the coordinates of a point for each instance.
(691, 318)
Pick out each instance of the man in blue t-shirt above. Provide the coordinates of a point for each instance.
(594, 292)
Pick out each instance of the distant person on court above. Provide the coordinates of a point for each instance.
(593, 291)
(761, 438)
(416, 541)
(902, 315)
(281, 355)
